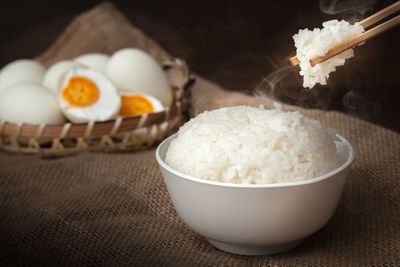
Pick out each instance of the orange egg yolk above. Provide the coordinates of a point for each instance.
(80, 92)
(135, 105)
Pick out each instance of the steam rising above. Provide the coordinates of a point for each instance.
(353, 10)
(285, 84)
(366, 89)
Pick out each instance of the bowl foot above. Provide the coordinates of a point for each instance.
(254, 250)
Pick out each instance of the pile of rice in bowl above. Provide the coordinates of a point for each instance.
(248, 145)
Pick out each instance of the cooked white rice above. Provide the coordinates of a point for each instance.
(317, 43)
(253, 146)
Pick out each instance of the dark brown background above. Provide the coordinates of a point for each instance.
(236, 44)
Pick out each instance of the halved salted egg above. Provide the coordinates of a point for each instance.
(87, 95)
(138, 104)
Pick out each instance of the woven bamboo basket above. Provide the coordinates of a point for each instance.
(120, 134)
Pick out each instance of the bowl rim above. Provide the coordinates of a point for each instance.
(325, 176)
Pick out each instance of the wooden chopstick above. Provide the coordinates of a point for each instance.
(339, 48)
(380, 15)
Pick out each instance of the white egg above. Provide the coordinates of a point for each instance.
(53, 76)
(29, 103)
(87, 95)
(21, 71)
(138, 104)
(96, 61)
(135, 71)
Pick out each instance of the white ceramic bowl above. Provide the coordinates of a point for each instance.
(254, 219)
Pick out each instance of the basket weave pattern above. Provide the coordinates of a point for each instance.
(121, 134)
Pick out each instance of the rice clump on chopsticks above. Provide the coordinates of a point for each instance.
(317, 43)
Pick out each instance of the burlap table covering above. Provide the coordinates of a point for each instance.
(114, 210)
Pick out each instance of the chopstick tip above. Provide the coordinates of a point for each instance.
(294, 60)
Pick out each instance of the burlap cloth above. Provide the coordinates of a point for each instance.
(113, 209)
